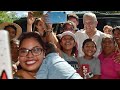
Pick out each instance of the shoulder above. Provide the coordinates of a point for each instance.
(78, 32)
(101, 33)
(53, 58)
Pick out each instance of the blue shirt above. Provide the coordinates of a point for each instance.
(55, 67)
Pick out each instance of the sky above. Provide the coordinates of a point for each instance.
(25, 13)
(21, 13)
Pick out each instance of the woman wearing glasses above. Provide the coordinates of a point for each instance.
(36, 64)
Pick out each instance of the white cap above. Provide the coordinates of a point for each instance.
(68, 33)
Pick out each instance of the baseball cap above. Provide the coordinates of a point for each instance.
(68, 33)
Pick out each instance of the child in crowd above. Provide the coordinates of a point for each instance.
(68, 48)
(107, 29)
(38, 63)
(109, 69)
(90, 65)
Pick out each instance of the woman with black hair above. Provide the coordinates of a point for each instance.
(41, 61)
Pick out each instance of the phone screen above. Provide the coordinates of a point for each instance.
(57, 17)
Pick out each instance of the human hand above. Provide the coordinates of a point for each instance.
(22, 74)
(30, 18)
(117, 58)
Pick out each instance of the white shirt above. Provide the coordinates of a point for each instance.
(81, 36)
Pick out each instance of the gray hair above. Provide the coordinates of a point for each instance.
(90, 14)
(108, 36)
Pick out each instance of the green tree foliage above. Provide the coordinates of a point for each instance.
(7, 16)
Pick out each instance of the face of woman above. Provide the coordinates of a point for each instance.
(12, 32)
(40, 26)
(68, 27)
(31, 55)
(67, 42)
(116, 35)
(108, 46)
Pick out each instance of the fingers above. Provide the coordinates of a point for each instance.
(30, 18)
(117, 58)
(30, 14)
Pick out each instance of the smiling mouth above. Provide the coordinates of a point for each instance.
(117, 38)
(67, 44)
(30, 62)
(90, 51)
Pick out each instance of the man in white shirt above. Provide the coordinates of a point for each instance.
(90, 31)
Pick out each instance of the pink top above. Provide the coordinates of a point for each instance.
(109, 69)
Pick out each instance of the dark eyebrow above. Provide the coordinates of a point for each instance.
(30, 49)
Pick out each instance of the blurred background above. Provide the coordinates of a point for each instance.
(104, 18)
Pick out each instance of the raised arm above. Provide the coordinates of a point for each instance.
(30, 21)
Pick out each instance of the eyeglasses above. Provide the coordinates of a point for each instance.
(23, 52)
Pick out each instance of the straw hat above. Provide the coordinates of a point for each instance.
(18, 31)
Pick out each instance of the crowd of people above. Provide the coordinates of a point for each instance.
(87, 53)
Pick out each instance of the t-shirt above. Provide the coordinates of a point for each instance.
(81, 36)
(90, 66)
(71, 60)
(109, 69)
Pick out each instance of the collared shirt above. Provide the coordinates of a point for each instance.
(81, 36)
(55, 67)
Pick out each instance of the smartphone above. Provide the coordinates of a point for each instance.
(5, 56)
(56, 17)
(37, 14)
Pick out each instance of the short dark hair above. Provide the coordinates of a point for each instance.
(88, 40)
(73, 15)
(70, 23)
